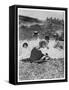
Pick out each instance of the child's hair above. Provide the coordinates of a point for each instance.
(41, 43)
(46, 37)
(25, 44)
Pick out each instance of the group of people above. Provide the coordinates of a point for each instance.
(41, 52)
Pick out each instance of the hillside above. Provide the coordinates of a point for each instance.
(26, 19)
(27, 26)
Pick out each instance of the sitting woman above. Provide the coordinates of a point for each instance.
(39, 54)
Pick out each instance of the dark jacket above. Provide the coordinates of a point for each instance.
(35, 54)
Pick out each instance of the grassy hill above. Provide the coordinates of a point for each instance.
(51, 69)
(48, 27)
(26, 19)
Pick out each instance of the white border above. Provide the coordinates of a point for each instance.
(18, 46)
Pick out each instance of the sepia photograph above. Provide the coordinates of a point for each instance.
(41, 44)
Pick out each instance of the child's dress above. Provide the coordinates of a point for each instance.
(25, 53)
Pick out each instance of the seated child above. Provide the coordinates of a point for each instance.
(25, 51)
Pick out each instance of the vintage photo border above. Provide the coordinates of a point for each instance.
(16, 39)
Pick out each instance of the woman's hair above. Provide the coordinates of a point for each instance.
(25, 44)
(41, 43)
